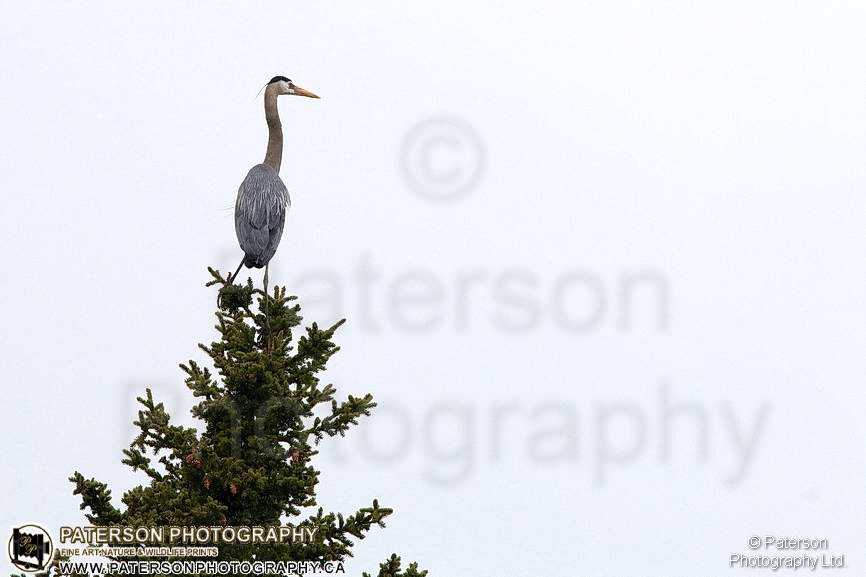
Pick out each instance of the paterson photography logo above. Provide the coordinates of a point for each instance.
(30, 548)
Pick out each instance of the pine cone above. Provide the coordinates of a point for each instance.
(233, 488)
(206, 482)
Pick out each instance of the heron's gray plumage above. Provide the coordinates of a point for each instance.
(260, 213)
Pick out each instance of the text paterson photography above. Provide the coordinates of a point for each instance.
(113, 535)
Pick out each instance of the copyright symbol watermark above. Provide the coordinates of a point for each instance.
(755, 542)
(440, 156)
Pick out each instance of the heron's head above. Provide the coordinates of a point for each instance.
(283, 85)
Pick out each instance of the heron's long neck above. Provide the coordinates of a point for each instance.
(274, 155)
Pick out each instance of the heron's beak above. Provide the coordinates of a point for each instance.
(301, 92)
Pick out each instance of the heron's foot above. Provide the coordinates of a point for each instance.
(233, 297)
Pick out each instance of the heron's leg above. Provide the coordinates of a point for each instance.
(230, 280)
(267, 297)
(234, 276)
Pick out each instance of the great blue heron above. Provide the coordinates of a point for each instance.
(260, 210)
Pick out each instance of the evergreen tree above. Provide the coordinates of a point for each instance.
(263, 419)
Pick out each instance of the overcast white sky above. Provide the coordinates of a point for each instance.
(716, 148)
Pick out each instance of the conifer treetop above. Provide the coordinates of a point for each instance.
(264, 411)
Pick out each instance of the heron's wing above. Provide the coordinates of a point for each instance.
(276, 233)
(260, 212)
